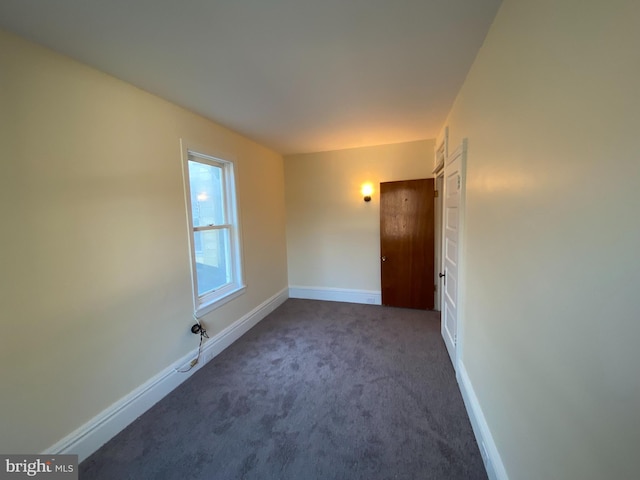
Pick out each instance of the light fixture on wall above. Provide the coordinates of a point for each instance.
(367, 190)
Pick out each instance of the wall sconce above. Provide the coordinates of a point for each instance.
(367, 190)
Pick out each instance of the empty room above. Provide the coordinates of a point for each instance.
(330, 239)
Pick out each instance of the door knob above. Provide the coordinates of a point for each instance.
(441, 275)
(383, 258)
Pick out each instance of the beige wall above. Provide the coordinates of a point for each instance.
(332, 234)
(551, 109)
(95, 287)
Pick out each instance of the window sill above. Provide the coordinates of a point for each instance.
(211, 305)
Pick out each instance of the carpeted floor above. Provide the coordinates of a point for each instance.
(317, 390)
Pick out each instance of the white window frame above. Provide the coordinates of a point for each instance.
(203, 304)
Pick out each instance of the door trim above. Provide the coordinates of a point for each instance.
(441, 151)
(438, 239)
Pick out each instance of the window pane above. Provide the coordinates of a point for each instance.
(207, 202)
(212, 259)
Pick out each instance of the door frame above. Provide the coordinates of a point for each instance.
(441, 152)
(460, 151)
(438, 238)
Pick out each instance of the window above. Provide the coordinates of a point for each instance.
(213, 230)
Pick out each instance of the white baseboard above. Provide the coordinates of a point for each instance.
(490, 455)
(104, 426)
(372, 297)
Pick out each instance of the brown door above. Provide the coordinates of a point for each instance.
(406, 243)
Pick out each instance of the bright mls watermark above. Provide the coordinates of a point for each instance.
(51, 467)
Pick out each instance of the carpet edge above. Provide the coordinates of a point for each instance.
(90, 436)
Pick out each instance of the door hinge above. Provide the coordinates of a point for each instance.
(435, 288)
(436, 194)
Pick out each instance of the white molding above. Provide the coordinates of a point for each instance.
(441, 151)
(490, 455)
(203, 304)
(371, 297)
(210, 306)
(100, 429)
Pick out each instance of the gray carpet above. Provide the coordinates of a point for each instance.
(317, 390)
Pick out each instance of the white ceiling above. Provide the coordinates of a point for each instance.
(294, 75)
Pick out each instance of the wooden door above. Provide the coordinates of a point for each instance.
(407, 243)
